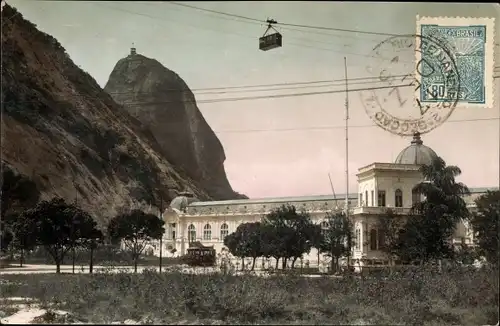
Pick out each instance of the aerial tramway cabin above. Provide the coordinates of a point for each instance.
(270, 41)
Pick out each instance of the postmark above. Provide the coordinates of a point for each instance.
(392, 105)
(471, 43)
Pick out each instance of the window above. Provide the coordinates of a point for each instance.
(373, 239)
(398, 198)
(361, 199)
(324, 227)
(381, 198)
(358, 239)
(381, 239)
(207, 232)
(366, 196)
(415, 197)
(171, 231)
(224, 231)
(373, 198)
(191, 233)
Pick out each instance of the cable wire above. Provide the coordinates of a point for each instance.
(218, 12)
(243, 98)
(283, 24)
(252, 37)
(264, 23)
(275, 86)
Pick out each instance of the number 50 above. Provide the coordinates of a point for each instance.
(437, 90)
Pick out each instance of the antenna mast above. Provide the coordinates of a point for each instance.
(346, 141)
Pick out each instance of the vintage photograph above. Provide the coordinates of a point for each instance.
(249, 162)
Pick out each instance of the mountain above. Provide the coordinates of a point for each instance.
(162, 101)
(66, 133)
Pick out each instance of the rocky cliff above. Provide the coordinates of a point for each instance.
(61, 129)
(162, 101)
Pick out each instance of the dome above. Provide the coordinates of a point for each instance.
(182, 201)
(416, 153)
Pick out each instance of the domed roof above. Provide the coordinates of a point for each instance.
(416, 153)
(182, 201)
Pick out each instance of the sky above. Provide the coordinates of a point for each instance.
(282, 146)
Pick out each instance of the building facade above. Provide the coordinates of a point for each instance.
(380, 186)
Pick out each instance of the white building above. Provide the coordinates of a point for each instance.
(380, 186)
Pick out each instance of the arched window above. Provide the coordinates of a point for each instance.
(324, 227)
(381, 239)
(415, 197)
(398, 198)
(224, 231)
(207, 232)
(366, 198)
(191, 233)
(373, 239)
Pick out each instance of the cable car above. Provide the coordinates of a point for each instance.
(271, 41)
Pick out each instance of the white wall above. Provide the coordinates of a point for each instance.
(366, 187)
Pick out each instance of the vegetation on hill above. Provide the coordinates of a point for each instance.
(68, 136)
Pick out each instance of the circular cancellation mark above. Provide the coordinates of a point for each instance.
(395, 106)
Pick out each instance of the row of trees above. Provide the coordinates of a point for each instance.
(423, 236)
(61, 227)
(287, 234)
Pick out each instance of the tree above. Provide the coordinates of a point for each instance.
(7, 232)
(6, 237)
(91, 242)
(245, 242)
(232, 241)
(18, 193)
(427, 233)
(56, 224)
(303, 238)
(336, 238)
(251, 240)
(24, 235)
(288, 234)
(270, 242)
(389, 228)
(136, 229)
(424, 238)
(485, 225)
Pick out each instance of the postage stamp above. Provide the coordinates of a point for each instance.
(471, 43)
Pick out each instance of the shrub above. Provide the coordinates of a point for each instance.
(413, 296)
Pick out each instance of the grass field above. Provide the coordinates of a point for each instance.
(459, 297)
